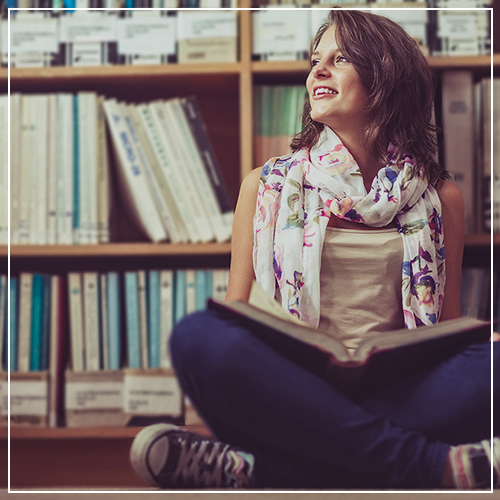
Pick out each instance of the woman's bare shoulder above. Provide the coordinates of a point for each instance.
(450, 195)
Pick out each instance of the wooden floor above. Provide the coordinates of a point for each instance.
(115, 494)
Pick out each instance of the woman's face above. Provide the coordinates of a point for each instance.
(337, 97)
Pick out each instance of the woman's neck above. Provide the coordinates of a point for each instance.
(364, 157)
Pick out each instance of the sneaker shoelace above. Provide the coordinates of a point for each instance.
(198, 465)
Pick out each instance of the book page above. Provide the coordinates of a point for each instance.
(260, 298)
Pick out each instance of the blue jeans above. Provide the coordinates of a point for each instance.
(304, 433)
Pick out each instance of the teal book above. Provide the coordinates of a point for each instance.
(179, 295)
(209, 284)
(76, 173)
(14, 298)
(45, 326)
(154, 318)
(36, 322)
(132, 318)
(114, 324)
(201, 289)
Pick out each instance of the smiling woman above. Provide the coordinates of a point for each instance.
(348, 234)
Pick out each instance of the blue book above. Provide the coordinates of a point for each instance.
(11, 4)
(114, 324)
(132, 317)
(154, 318)
(36, 322)
(14, 298)
(69, 4)
(209, 284)
(179, 295)
(45, 335)
(76, 173)
(201, 289)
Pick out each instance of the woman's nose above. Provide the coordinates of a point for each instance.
(320, 70)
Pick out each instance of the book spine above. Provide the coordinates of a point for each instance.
(25, 301)
(45, 335)
(133, 320)
(76, 172)
(91, 323)
(36, 322)
(180, 295)
(190, 291)
(75, 299)
(103, 177)
(166, 316)
(201, 289)
(52, 170)
(143, 317)
(103, 320)
(114, 323)
(154, 318)
(3, 314)
(14, 314)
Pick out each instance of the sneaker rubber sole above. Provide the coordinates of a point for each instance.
(143, 458)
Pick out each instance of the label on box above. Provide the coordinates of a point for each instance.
(207, 24)
(28, 397)
(88, 28)
(277, 31)
(94, 395)
(35, 36)
(147, 35)
(152, 395)
(457, 26)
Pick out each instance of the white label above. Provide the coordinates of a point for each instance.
(94, 395)
(277, 31)
(37, 36)
(88, 28)
(207, 24)
(152, 395)
(457, 26)
(147, 35)
(28, 397)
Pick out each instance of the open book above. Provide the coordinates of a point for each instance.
(378, 358)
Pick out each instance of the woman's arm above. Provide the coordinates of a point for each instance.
(241, 274)
(453, 219)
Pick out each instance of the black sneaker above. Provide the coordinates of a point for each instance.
(167, 456)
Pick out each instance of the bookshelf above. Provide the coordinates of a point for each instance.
(225, 93)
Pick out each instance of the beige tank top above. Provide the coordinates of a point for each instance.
(361, 283)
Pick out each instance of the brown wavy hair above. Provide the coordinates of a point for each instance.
(399, 84)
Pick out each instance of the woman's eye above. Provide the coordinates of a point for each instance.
(314, 62)
(341, 59)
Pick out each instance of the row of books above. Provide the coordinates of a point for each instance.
(134, 36)
(115, 4)
(466, 120)
(61, 185)
(277, 118)
(279, 34)
(110, 320)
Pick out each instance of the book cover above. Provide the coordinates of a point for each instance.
(76, 322)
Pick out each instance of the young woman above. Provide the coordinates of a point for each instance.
(348, 233)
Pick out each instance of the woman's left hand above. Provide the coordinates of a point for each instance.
(495, 337)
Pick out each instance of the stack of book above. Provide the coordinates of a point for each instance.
(93, 325)
(61, 188)
(133, 36)
(168, 170)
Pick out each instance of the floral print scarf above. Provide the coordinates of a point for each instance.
(298, 194)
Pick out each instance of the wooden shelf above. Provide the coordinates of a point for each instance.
(119, 71)
(24, 433)
(117, 250)
(160, 249)
(436, 62)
